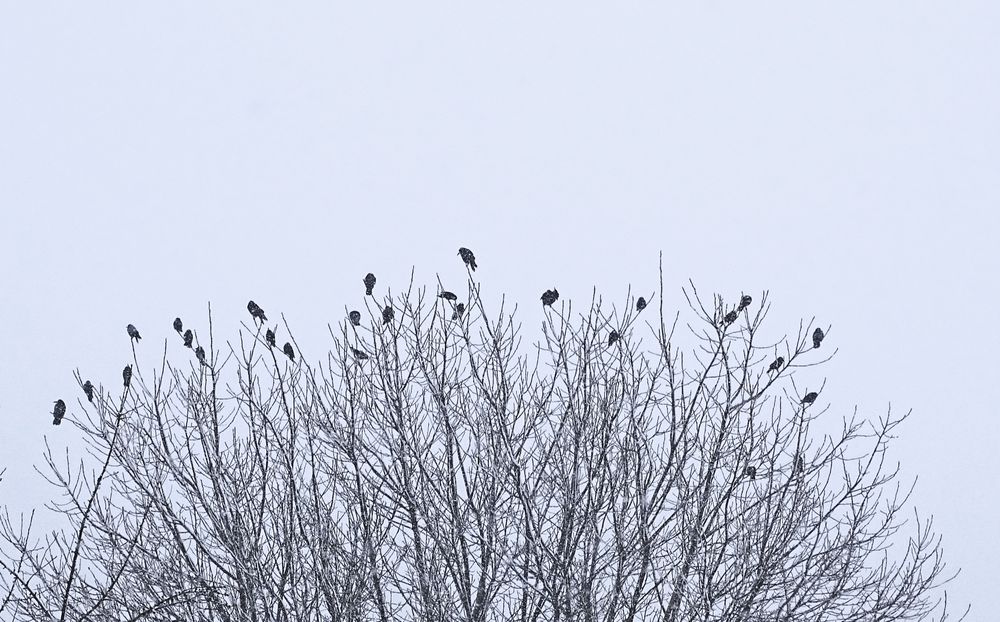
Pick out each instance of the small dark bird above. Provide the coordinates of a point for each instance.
(178, 325)
(776, 365)
(355, 317)
(127, 375)
(549, 297)
(468, 258)
(387, 314)
(640, 304)
(744, 303)
(359, 354)
(730, 317)
(750, 471)
(88, 389)
(256, 311)
(613, 337)
(810, 397)
(459, 310)
(199, 352)
(800, 464)
(132, 332)
(818, 337)
(58, 412)
(369, 283)
(289, 351)
(269, 338)
(188, 338)
(448, 296)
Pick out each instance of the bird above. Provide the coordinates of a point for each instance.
(750, 471)
(127, 375)
(188, 338)
(369, 283)
(468, 258)
(744, 302)
(387, 314)
(256, 311)
(613, 337)
(178, 325)
(730, 317)
(355, 317)
(199, 352)
(459, 310)
(269, 338)
(818, 337)
(776, 365)
(810, 397)
(289, 351)
(58, 412)
(359, 354)
(447, 296)
(640, 304)
(88, 389)
(800, 464)
(132, 332)
(550, 296)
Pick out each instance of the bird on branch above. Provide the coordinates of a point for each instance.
(269, 338)
(549, 297)
(256, 312)
(776, 365)
(468, 258)
(88, 389)
(289, 351)
(640, 304)
(355, 317)
(818, 337)
(179, 326)
(188, 338)
(132, 332)
(127, 375)
(58, 412)
(369, 283)
(387, 314)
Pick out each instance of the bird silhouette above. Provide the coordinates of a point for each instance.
(730, 317)
(776, 365)
(810, 397)
(199, 352)
(369, 283)
(387, 314)
(127, 375)
(459, 310)
(468, 258)
(58, 412)
(750, 471)
(613, 337)
(640, 304)
(355, 317)
(359, 354)
(549, 297)
(289, 351)
(178, 325)
(447, 296)
(818, 337)
(269, 338)
(132, 332)
(188, 338)
(256, 312)
(744, 302)
(88, 389)
(800, 464)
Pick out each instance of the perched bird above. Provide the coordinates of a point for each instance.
(178, 325)
(387, 314)
(269, 338)
(448, 296)
(88, 389)
(132, 332)
(750, 471)
(613, 337)
(369, 283)
(58, 412)
(776, 365)
(810, 397)
(818, 337)
(468, 258)
(289, 351)
(550, 296)
(359, 354)
(640, 304)
(459, 310)
(730, 317)
(355, 317)
(744, 302)
(188, 338)
(127, 375)
(256, 311)
(199, 352)
(800, 464)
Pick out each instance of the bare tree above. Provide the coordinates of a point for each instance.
(429, 468)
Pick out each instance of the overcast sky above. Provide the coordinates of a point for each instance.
(155, 157)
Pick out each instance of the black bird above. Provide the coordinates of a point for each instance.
(468, 258)
(359, 354)
(58, 412)
(178, 325)
(776, 365)
(355, 317)
(127, 375)
(810, 397)
(88, 389)
(744, 303)
(387, 314)
(750, 471)
(818, 337)
(369, 283)
(269, 338)
(459, 310)
(448, 296)
(132, 332)
(613, 337)
(730, 317)
(200, 353)
(549, 297)
(800, 464)
(256, 311)
(188, 338)
(640, 304)
(289, 351)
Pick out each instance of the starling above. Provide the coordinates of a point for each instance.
(776, 365)
(468, 257)
(810, 397)
(730, 317)
(549, 297)
(744, 302)
(459, 310)
(818, 337)
(355, 317)
(88, 389)
(256, 312)
(800, 464)
(132, 332)
(178, 325)
(640, 304)
(359, 354)
(289, 351)
(127, 375)
(750, 471)
(387, 314)
(200, 353)
(448, 296)
(188, 338)
(269, 338)
(369, 283)
(613, 337)
(58, 412)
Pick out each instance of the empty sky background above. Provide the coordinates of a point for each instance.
(158, 157)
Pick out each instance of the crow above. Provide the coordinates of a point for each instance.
(355, 317)
(132, 332)
(359, 354)
(269, 338)
(818, 337)
(256, 312)
(613, 337)
(459, 310)
(549, 297)
(369, 283)
(58, 412)
(448, 296)
(776, 365)
(188, 338)
(127, 375)
(88, 389)
(744, 303)
(640, 304)
(199, 352)
(387, 314)
(730, 317)
(178, 325)
(810, 397)
(468, 258)
(750, 471)
(289, 351)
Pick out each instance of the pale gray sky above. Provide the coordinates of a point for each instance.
(155, 157)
